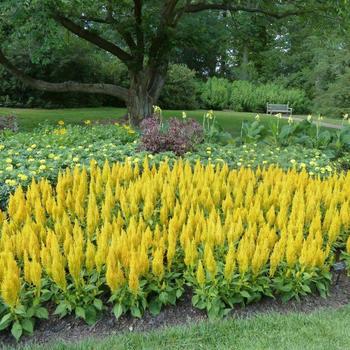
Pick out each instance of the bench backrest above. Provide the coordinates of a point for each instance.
(277, 107)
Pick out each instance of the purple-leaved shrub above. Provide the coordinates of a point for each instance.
(176, 135)
(8, 123)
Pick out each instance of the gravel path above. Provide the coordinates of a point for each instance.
(325, 124)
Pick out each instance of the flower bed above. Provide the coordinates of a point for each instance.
(43, 153)
(133, 240)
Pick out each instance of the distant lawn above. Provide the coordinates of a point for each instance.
(322, 330)
(31, 118)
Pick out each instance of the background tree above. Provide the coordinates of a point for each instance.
(142, 34)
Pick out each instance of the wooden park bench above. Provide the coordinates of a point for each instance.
(272, 108)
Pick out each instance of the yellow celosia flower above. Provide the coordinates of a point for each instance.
(11, 284)
(210, 263)
(158, 264)
(230, 263)
(128, 222)
(133, 280)
(200, 275)
(348, 245)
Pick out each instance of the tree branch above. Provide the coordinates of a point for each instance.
(138, 20)
(96, 19)
(110, 20)
(160, 41)
(69, 86)
(92, 38)
(202, 6)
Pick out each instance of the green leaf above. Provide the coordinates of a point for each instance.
(155, 307)
(237, 299)
(286, 288)
(91, 315)
(201, 304)
(245, 294)
(5, 321)
(28, 325)
(31, 311)
(20, 310)
(306, 288)
(179, 292)
(286, 297)
(195, 300)
(17, 330)
(214, 312)
(46, 295)
(118, 310)
(41, 313)
(98, 304)
(135, 312)
(80, 312)
(163, 297)
(61, 310)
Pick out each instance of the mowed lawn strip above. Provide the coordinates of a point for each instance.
(320, 330)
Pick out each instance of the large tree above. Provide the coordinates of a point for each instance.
(140, 33)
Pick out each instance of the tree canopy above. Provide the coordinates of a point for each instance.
(212, 37)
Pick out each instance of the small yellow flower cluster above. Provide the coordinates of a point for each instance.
(209, 115)
(128, 225)
(129, 129)
(157, 110)
(60, 131)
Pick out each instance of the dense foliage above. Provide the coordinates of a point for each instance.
(181, 89)
(308, 52)
(43, 152)
(245, 96)
(133, 237)
(308, 133)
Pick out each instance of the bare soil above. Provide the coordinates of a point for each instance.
(70, 329)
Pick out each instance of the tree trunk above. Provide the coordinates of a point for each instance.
(145, 87)
(139, 103)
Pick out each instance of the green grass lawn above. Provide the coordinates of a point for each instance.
(322, 330)
(31, 118)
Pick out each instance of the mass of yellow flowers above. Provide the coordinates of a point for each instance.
(128, 224)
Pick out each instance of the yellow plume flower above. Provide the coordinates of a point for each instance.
(11, 284)
(200, 275)
(133, 281)
(230, 263)
(210, 263)
(348, 245)
(158, 264)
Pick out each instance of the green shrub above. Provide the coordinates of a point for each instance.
(335, 101)
(216, 93)
(243, 97)
(180, 88)
(247, 97)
